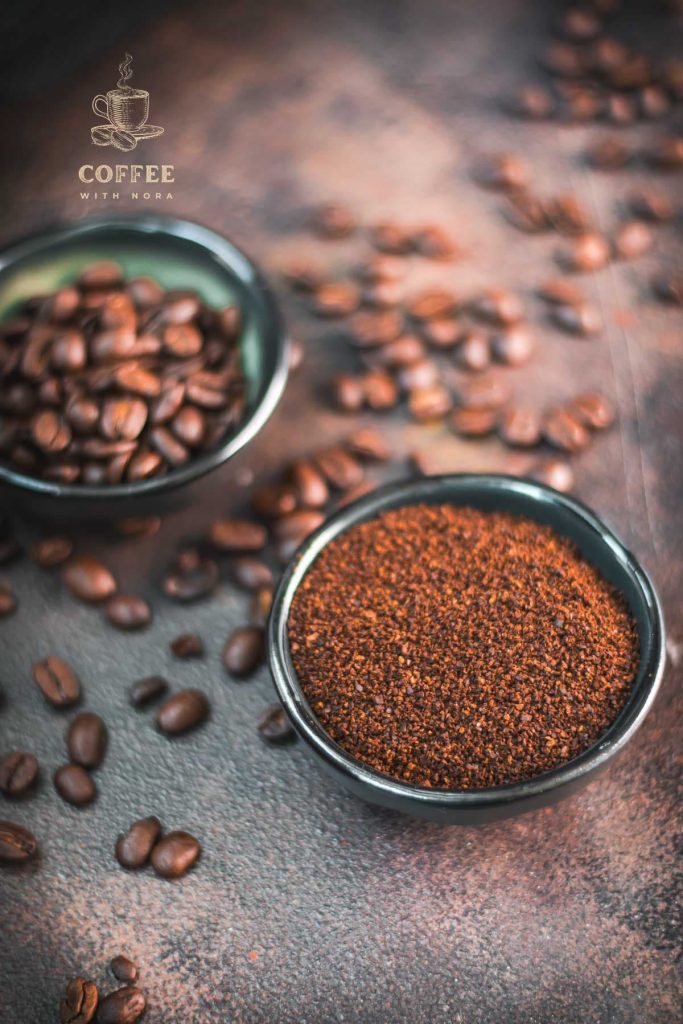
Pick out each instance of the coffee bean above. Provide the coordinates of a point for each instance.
(86, 740)
(89, 579)
(145, 292)
(134, 846)
(564, 431)
(391, 238)
(8, 601)
(669, 287)
(57, 682)
(275, 727)
(532, 102)
(175, 854)
(75, 785)
(123, 969)
(188, 645)
(191, 581)
(144, 691)
(513, 346)
(125, 1006)
(16, 843)
(442, 334)
(564, 61)
(339, 467)
(503, 171)
(189, 425)
(483, 393)
(251, 573)
(297, 525)
(51, 551)
(18, 772)
(473, 422)
(243, 651)
(561, 292)
(128, 611)
(580, 24)
(589, 252)
(579, 319)
(380, 390)
(423, 374)
(432, 242)
(143, 465)
(649, 205)
(274, 500)
(336, 299)
(520, 427)
(304, 275)
(103, 274)
(429, 404)
(238, 535)
(474, 351)
(567, 215)
(80, 1002)
(183, 711)
(369, 330)
(69, 352)
(432, 304)
(368, 444)
(182, 340)
(499, 306)
(382, 269)
(138, 526)
(50, 431)
(620, 109)
(554, 473)
(348, 392)
(260, 606)
(527, 212)
(310, 485)
(608, 154)
(593, 409)
(332, 220)
(632, 240)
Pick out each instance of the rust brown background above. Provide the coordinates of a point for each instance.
(308, 906)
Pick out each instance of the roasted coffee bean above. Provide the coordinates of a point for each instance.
(309, 485)
(348, 392)
(380, 390)
(125, 1006)
(123, 419)
(183, 711)
(57, 682)
(89, 579)
(391, 238)
(564, 60)
(339, 467)
(50, 431)
(432, 242)
(189, 426)
(175, 854)
(430, 403)
(138, 526)
(140, 381)
(168, 447)
(513, 346)
(440, 334)
(238, 535)
(297, 525)
(75, 785)
(274, 726)
(83, 414)
(190, 579)
(188, 645)
(123, 969)
(332, 220)
(562, 430)
(336, 299)
(581, 319)
(561, 292)
(593, 409)
(589, 252)
(483, 393)
(554, 473)
(432, 304)
(68, 351)
(580, 23)
(669, 287)
(80, 1002)
(145, 292)
(86, 740)
(503, 171)
(133, 847)
(250, 572)
(274, 500)
(8, 600)
(303, 275)
(651, 206)
(474, 351)
(260, 606)
(51, 551)
(473, 422)
(182, 340)
(369, 330)
(499, 306)
(382, 269)
(608, 154)
(424, 374)
(103, 274)
(168, 402)
(180, 308)
(520, 427)
(128, 611)
(620, 109)
(566, 215)
(16, 843)
(527, 212)
(368, 444)
(243, 651)
(18, 772)
(532, 102)
(632, 240)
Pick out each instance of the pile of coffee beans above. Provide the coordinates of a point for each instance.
(108, 380)
(82, 1003)
(460, 649)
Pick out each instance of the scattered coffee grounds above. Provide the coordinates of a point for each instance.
(469, 649)
(108, 380)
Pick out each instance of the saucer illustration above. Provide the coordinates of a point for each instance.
(125, 111)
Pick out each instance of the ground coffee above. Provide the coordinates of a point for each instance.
(460, 649)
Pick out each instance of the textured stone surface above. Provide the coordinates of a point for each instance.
(308, 906)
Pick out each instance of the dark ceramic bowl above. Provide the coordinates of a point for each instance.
(570, 519)
(179, 254)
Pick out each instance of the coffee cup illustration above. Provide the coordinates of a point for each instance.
(126, 111)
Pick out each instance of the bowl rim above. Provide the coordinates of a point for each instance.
(410, 492)
(230, 258)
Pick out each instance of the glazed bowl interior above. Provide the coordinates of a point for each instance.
(178, 254)
(567, 517)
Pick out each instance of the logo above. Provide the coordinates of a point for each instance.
(126, 111)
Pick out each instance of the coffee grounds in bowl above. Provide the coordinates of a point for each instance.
(458, 649)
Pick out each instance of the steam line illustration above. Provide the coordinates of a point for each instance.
(125, 110)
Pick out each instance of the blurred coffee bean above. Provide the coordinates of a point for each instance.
(348, 392)
(423, 374)
(16, 843)
(473, 422)
(430, 403)
(18, 773)
(275, 727)
(499, 306)
(190, 578)
(608, 154)
(382, 269)
(297, 525)
(238, 535)
(125, 1006)
(138, 526)
(527, 212)
(128, 611)
(188, 645)
(433, 242)
(304, 275)
(79, 1003)
(182, 712)
(260, 607)
(649, 205)
(532, 102)
(580, 24)
(432, 304)
(144, 691)
(339, 467)
(86, 740)
(250, 572)
(332, 220)
(274, 500)
(368, 444)
(51, 551)
(593, 409)
(369, 330)
(88, 579)
(488, 392)
(75, 785)
(581, 319)
(561, 292)
(380, 390)
(513, 346)
(391, 238)
(666, 153)
(243, 651)
(175, 853)
(504, 171)
(554, 473)
(588, 252)
(336, 299)
(309, 485)
(632, 240)
(134, 846)
(564, 431)
(440, 334)
(567, 215)
(57, 682)
(520, 426)
(8, 600)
